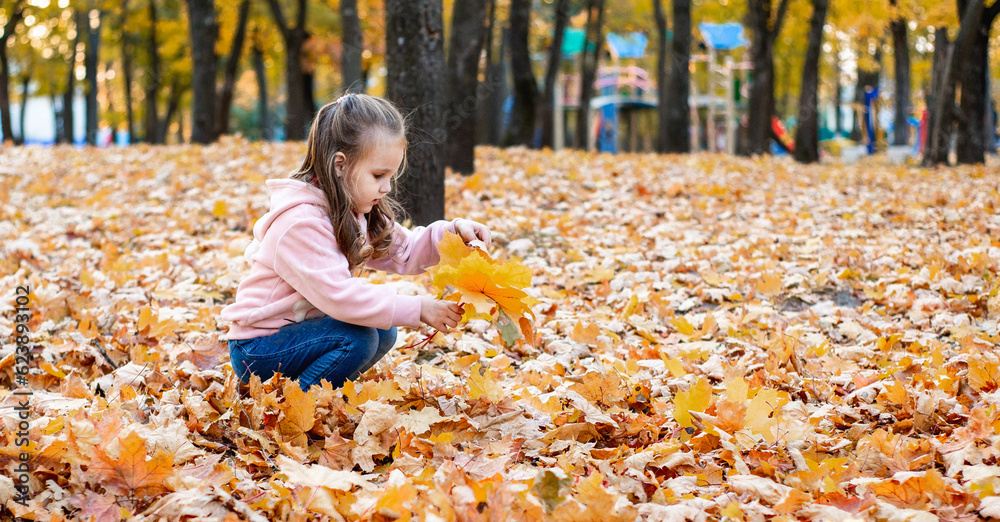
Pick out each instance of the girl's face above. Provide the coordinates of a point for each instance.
(371, 178)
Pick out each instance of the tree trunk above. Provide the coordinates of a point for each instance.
(838, 96)
(297, 114)
(173, 102)
(127, 71)
(204, 32)
(807, 133)
(944, 104)
(151, 117)
(225, 98)
(415, 62)
(901, 52)
(90, 63)
(486, 115)
(261, 74)
(973, 132)
(353, 46)
(467, 31)
(678, 108)
(522, 116)
(763, 35)
(8, 29)
(595, 36)
(547, 109)
(662, 79)
(69, 95)
(25, 84)
(942, 47)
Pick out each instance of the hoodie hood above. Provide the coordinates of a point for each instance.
(287, 194)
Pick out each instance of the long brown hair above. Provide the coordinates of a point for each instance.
(352, 125)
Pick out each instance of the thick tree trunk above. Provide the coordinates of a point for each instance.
(261, 74)
(942, 46)
(678, 111)
(763, 35)
(944, 104)
(151, 117)
(467, 31)
(90, 64)
(488, 115)
(415, 83)
(595, 36)
(353, 46)
(8, 29)
(662, 78)
(807, 133)
(225, 98)
(522, 116)
(974, 109)
(901, 52)
(69, 95)
(546, 113)
(297, 114)
(204, 32)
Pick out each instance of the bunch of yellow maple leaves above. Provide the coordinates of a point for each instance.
(654, 337)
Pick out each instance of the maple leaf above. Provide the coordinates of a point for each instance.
(696, 398)
(299, 413)
(487, 288)
(97, 508)
(132, 471)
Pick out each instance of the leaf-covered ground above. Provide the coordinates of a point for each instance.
(717, 337)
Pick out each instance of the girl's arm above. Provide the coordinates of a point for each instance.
(415, 250)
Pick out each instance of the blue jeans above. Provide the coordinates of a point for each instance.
(317, 349)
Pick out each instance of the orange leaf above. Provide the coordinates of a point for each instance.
(133, 471)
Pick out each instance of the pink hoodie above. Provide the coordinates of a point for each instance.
(297, 272)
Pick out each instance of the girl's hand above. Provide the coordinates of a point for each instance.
(441, 315)
(470, 231)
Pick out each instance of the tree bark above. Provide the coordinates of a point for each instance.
(127, 71)
(17, 14)
(25, 84)
(415, 61)
(151, 117)
(173, 102)
(297, 114)
(762, 88)
(522, 116)
(204, 32)
(8, 29)
(901, 52)
(944, 104)
(807, 132)
(225, 97)
(942, 47)
(261, 74)
(546, 114)
(974, 109)
(353, 46)
(838, 96)
(678, 108)
(90, 63)
(662, 78)
(467, 31)
(487, 89)
(595, 36)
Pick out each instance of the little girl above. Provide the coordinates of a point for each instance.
(301, 311)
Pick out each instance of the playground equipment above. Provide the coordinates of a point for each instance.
(718, 37)
(625, 97)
